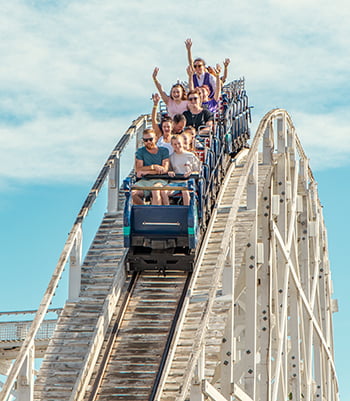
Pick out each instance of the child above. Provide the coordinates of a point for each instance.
(182, 162)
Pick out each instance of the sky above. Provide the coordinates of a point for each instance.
(74, 74)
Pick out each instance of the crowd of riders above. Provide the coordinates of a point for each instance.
(171, 147)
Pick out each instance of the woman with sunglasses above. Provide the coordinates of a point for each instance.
(176, 103)
(201, 76)
(210, 103)
(196, 115)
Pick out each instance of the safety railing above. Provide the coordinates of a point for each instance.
(17, 330)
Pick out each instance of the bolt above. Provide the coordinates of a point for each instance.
(280, 291)
(252, 257)
(251, 266)
(249, 245)
(250, 371)
(248, 351)
(265, 318)
(228, 353)
(264, 329)
(225, 363)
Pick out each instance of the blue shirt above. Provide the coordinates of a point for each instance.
(150, 158)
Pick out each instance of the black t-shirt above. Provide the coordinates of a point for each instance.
(196, 120)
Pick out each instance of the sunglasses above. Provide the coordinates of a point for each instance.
(147, 139)
(191, 99)
(198, 65)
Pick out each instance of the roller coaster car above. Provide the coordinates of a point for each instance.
(161, 237)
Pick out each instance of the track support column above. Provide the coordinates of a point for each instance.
(75, 267)
(25, 380)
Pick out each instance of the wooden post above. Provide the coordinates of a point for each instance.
(268, 144)
(196, 393)
(75, 267)
(228, 349)
(114, 185)
(25, 380)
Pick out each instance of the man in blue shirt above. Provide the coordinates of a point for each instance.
(150, 160)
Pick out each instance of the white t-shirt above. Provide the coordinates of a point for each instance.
(185, 162)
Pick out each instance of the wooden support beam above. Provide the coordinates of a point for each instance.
(75, 262)
(212, 392)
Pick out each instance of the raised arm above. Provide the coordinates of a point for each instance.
(190, 73)
(163, 95)
(155, 126)
(226, 64)
(218, 82)
(188, 43)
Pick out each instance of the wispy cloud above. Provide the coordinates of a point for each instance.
(74, 74)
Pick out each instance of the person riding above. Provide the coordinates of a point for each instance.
(201, 76)
(209, 103)
(164, 129)
(182, 162)
(176, 103)
(196, 115)
(150, 160)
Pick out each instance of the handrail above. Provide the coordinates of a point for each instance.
(68, 246)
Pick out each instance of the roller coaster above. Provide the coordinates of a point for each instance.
(248, 317)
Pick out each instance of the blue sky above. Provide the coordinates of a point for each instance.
(74, 74)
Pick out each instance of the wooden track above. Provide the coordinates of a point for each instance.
(139, 344)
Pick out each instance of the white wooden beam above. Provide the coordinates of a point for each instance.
(240, 394)
(25, 380)
(75, 267)
(210, 391)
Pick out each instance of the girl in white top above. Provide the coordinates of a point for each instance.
(176, 103)
(182, 162)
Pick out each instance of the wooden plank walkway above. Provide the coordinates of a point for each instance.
(75, 328)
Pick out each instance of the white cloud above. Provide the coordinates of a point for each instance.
(72, 70)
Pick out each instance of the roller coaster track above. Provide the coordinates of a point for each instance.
(252, 322)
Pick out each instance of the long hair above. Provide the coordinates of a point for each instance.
(178, 85)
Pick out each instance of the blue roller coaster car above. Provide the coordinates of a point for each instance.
(162, 237)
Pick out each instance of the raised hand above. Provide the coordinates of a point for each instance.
(188, 43)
